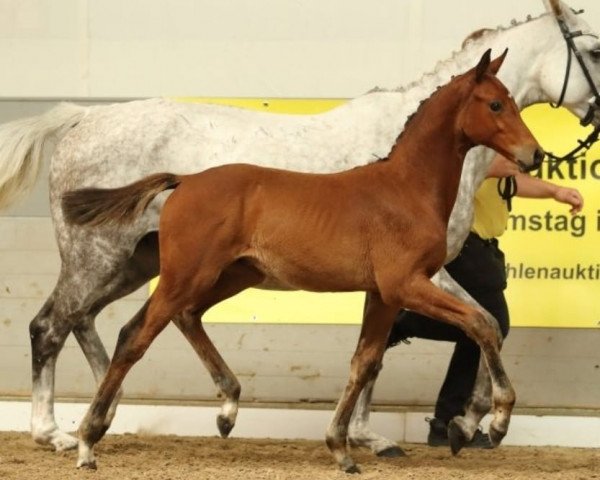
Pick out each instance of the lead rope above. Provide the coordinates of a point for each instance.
(507, 189)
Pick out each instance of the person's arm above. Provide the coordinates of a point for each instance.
(533, 187)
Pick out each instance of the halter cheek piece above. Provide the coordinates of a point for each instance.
(572, 50)
(507, 187)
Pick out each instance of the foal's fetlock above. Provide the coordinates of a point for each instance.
(336, 440)
(86, 457)
(226, 419)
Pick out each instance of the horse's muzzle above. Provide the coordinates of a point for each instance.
(538, 158)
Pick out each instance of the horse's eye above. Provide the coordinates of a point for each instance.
(495, 106)
(595, 54)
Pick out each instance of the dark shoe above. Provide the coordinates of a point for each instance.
(438, 433)
(438, 436)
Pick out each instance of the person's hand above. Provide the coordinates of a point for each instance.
(502, 167)
(570, 196)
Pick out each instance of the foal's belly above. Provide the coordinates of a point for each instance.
(286, 275)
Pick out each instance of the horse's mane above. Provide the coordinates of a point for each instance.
(472, 41)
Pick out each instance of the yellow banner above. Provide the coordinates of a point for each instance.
(554, 277)
(552, 258)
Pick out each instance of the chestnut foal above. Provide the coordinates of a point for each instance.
(379, 228)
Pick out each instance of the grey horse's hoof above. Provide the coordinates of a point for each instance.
(456, 438)
(225, 426)
(496, 436)
(392, 452)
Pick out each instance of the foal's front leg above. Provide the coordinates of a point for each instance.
(377, 323)
(462, 428)
(425, 298)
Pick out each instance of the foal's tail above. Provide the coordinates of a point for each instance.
(101, 206)
(22, 147)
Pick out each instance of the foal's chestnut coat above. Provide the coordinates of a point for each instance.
(379, 228)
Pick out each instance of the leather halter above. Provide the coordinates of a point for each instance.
(584, 145)
(507, 187)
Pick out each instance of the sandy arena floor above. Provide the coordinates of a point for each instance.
(174, 458)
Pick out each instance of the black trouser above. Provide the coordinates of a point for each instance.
(480, 270)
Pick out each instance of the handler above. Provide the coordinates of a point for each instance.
(480, 269)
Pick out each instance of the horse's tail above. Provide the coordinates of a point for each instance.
(101, 206)
(22, 147)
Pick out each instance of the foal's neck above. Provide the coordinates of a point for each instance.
(429, 154)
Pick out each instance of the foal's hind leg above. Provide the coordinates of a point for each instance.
(134, 339)
(377, 323)
(233, 280)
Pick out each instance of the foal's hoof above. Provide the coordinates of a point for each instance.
(456, 437)
(225, 426)
(87, 464)
(496, 436)
(392, 452)
(351, 469)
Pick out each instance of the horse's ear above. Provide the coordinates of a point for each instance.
(482, 66)
(554, 7)
(497, 63)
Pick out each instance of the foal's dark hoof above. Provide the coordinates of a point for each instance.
(456, 437)
(352, 469)
(225, 426)
(392, 452)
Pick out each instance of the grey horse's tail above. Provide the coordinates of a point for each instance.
(22, 147)
(101, 206)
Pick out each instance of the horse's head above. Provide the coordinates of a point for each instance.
(563, 79)
(490, 116)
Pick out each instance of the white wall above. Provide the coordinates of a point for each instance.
(265, 48)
